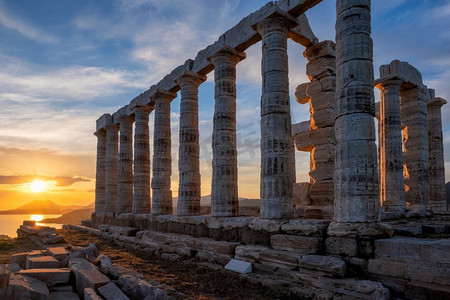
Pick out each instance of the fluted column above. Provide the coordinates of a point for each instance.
(100, 174)
(112, 168)
(224, 185)
(189, 189)
(141, 195)
(356, 175)
(125, 180)
(392, 190)
(162, 158)
(436, 163)
(276, 138)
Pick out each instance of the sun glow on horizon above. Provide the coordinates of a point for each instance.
(38, 186)
(36, 218)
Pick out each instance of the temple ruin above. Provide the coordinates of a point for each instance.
(360, 195)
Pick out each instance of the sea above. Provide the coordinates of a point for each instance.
(10, 223)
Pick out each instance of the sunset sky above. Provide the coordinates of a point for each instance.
(63, 63)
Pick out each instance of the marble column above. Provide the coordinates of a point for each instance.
(189, 189)
(356, 171)
(436, 163)
(392, 189)
(276, 187)
(224, 185)
(112, 168)
(141, 195)
(125, 180)
(100, 174)
(162, 158)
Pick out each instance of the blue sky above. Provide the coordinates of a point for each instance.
(65, 63)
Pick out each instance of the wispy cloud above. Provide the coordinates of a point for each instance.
(27, 30)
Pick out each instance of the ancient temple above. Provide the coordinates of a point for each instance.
(356, 183)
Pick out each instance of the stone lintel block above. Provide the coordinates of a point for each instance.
(296, 7)
(103, 121)
(403, 71)
(111, 292)
(168, 83)
(322, 49)
(296, 243)
(25, 287)
(272, 226)
(306, 141)
(334, 266)
(39, 262)
(305, 227)
(60, 253)
(300, 128)
(123, 113)
(49, 276)
(436, 102)
(371, 230)
(303, 33)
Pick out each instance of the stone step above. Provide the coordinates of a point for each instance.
(416, 249)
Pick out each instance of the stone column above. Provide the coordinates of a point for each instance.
(125, 181)
(162, 158)
(276, 136)
(100, 174)
(141, 195)
(189, 192)
(356, 172)
(392, 189)
(436, 163)
(112, 168)
(224, 185)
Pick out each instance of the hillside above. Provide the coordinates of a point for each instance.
(73, 217)
(42, 207)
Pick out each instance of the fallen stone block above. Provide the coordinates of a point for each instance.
(299, 244)
(20, 259)
(280, 259)
(90, 294)
(42, 262)
(60, 253)
(136, 288)
(52, 239)
(14, 268)
(86, 275)
(46, 232)
(49, 276)
(106, 266)
(72, 255)
(4, 279)
(91, 251)
(239, 266)
(333, 266)
(64, 296)
(111, 292)
(24, 287)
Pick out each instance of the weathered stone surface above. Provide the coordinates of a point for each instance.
(111, 168)
(64, 296)
(249, 252)
(278, 258)
(111, 292)
(24, 287)
(341, 246)
(272, 226)
(19, 258)
(100, 171)
(90, 251)
(124, 231)
(334, 266)
(13, 268)
(136, 288)
(87, 275)
(106, 266)
(42, 262)
(299, 244)
(125, 176)
(301, 194)
(72, 255)
(305, 227)
(375, 229)
(60, 253)
(90, 294)
(49, 276)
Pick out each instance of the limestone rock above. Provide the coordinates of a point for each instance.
(305, 227)
(60, 253)
(42, 262)
(14, 268)
(72, 255)
(49, 276)
(299, 244)
(249, 252)
(90, 294)
(106, 266)
(124, 231)
(278, 258)
(87, 275)
(334, 266)
(375, 229)
(24, 287)
(90, 251)
(111, 292)
(19, 258)
(136, 288)
(341, 246)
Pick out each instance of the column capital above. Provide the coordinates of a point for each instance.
(436, 102)
(147, 109)
(100, 133)
(112, 127)
(189, 77)
(163, 95)
(275, 20)
(125, 119)
(384, 82)
(227, 53)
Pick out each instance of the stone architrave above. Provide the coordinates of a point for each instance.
(436, 163)
(100, 173)
(392, 190)
(356, 170)
(224, 185)
(141, 194)
(276, 135)
(189, 189)
(112, 167)
(125, 180)
(162, 158)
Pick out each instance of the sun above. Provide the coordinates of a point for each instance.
(38, 186)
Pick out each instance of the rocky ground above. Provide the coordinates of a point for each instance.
(187, 277)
